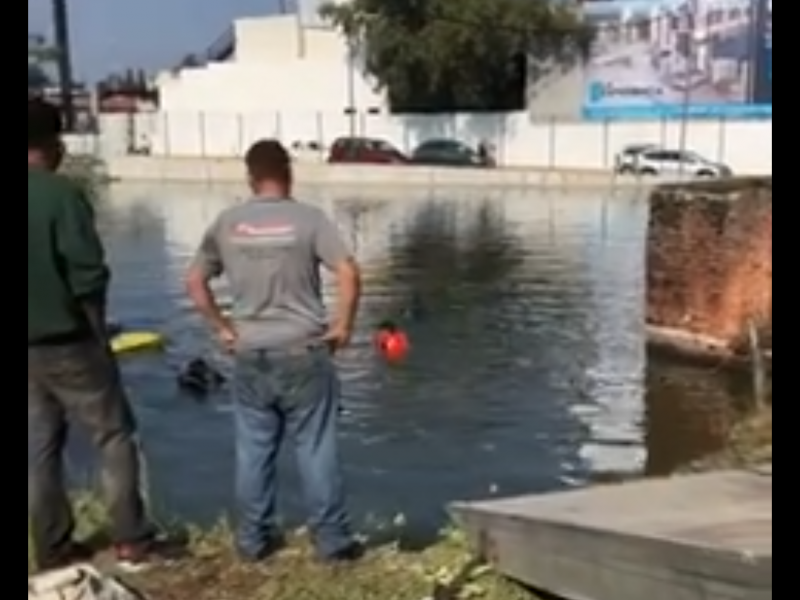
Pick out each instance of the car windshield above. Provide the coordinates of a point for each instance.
(638, 149)
(693, 157)
(382, 146)
(441, 146)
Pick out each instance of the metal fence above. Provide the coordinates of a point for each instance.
(518, 139)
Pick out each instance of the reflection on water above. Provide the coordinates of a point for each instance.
(526, 314)
(691, 412)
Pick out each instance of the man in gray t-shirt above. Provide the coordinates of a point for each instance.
(270, 249)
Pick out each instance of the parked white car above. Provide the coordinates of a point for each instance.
(625, 161)
(678, 163)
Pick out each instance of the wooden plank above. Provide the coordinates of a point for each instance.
(705, 537)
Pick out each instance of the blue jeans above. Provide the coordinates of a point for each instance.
(295, 395)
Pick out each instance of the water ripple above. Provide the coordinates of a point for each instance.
(526, 314)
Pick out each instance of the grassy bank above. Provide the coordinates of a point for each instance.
(389, 573)
(751, 445)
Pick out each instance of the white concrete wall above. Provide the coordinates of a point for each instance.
(520, 140)
(299, 84)
(278, 64)
(282, 38)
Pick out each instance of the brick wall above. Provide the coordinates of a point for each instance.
(710, 269)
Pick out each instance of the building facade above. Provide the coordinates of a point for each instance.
(296, 79)
(277, 63)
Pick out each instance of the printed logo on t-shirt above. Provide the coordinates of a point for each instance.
(263, 233)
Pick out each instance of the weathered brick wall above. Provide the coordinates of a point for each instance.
(710, 269)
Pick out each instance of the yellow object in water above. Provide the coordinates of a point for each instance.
(137, 341)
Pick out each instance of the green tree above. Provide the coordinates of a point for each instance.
(39, 51)
(37, 78)
(441, 55)
(40, 56)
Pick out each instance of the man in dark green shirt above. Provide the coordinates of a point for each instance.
(71, 369)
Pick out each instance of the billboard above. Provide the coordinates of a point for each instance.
(656, 59)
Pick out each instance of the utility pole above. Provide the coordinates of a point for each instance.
(64, 61)
(688, 32)
(352, 87)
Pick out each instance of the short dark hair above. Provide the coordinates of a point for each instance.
(45, 125)
(269, 160)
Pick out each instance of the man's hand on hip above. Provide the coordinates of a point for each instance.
(227, 336)
(338, 337)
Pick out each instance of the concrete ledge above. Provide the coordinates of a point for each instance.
(693, 538)
(220, 171)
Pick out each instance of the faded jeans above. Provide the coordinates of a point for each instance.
(294, 395)
(80, 380)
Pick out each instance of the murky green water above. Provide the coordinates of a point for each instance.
(529, 370)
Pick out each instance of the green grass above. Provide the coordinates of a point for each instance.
(388, 573)
(211, 572)
(750, 445)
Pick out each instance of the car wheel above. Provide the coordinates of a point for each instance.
(707, 175)
(648, 173)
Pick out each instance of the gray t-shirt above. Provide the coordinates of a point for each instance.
(271, 252)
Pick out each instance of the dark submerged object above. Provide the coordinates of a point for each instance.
(199, 378)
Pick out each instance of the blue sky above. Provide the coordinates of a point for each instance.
(114, 34)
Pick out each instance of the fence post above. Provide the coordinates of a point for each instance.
(723, 140)
(501, 148)
(321, 134)
(759, 366)
(553, 129)
(203, 133)
(279, 126)
(166, 134)
(240, 124)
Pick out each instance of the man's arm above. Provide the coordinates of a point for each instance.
(334, 254)
(81, 249)
(207, 266)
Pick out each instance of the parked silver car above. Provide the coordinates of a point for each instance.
(625, 161)
(679, 163)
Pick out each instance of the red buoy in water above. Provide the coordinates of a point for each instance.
(392, 343)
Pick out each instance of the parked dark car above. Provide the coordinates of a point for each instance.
(450, 153)
(365, 151)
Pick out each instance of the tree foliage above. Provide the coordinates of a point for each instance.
(39, 50)
(444, 55)
(39, 56)
(38, 79)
